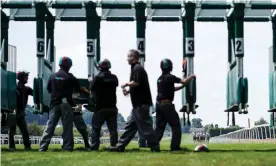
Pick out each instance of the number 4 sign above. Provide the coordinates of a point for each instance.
(141, 45)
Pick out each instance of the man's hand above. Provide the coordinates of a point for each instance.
(125, 92)
(188, 79)
(124, 85)
(90, 79)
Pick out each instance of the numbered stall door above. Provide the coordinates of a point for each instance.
(47, 70)
(233, 78)
(11, 90)
(4, 89)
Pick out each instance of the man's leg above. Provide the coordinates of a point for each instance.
(141, 141)
(144, 124)
(160, 123)
(130, 131)
(24, 131)
(97, 122)
(54, 115)
(12, 132)
(82, 128)
(67, 124)
(173, 119)
(111, 122)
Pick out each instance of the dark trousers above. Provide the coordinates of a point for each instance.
(65, 112)
(166, 113)
(22, 125)
(81, 127)
(110, 117)
(140, 121)
(142, 142)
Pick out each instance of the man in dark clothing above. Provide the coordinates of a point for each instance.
(103, 87)
(165, 110)
(80, 125)
(22, 93)
(140, 119)
(61, 85)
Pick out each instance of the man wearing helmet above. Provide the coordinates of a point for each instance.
(165, 110)
(22, 93)
(61, 86)
(140, 94)
(104, 87)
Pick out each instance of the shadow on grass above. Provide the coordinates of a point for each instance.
(145, 150)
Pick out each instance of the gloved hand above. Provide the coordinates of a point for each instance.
(152, 111)
(90, 79)
(78, 108)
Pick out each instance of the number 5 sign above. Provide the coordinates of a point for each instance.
(91, 47)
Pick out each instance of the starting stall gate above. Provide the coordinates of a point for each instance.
(234, 13)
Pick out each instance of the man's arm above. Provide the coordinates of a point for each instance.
(184, 82)
(30, 91)
(178, 88)
(137, 77)
(178, 81)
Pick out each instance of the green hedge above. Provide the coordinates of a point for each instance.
(218, 131)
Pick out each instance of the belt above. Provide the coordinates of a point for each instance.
(167, 101)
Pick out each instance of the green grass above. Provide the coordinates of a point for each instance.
(219, 155)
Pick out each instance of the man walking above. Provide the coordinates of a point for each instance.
(140, 95)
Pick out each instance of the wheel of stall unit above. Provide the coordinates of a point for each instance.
(244, 90)
(239, 91)
(271, 89)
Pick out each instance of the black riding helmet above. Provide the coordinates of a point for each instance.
(104, 64)
(166, 64)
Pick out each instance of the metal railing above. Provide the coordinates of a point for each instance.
(257, 134)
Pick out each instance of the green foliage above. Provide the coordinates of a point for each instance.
(196, 123)
(218, 131)
(261, 122)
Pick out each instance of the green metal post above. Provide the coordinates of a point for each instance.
(230, 27)
(5, 35)
(40, 49)
(189, 49)
(50, 26)
(273, 114)
(40, 36)
(91, 33)
(98, 55)
(140, 9)
(184, 74)
(239, 41)
(239, 46)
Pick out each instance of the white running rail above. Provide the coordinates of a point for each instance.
(256, 134)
